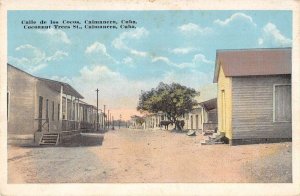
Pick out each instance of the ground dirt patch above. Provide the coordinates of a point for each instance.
(151, 156)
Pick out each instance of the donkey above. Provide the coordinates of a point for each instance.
(165, 123)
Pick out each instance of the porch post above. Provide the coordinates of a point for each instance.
(61, 102)
(78, 110)
(75, 109)
(202, 117)
(72, 108)
(66, 107)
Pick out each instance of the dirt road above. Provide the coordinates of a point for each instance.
(151, 156)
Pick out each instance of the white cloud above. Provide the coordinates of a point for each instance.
(25, 46)
(198, 58)
(62, 79)
(185, 65)
(58, 55)
(163, 59)
(116, 91)
(183, 50)
(58, 35)
(97, 73)
(234, 17)
(191, 78)
(121, 42)
(34, 59)
(96, 47)
(260, 41)
(272, 36)
(138, 53)
(127, 61)
(120, 94)
(201, 59)
(194, 28)
(33, 53)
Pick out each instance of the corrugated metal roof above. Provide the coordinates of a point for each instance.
(210, 104)
(56, 85)
(254, 62)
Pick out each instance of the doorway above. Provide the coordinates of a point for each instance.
(197, 122)
(40, 113)
(223, 111)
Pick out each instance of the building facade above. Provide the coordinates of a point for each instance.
(39, 105)
(254, 94)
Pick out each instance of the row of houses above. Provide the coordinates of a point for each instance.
(253, 101)
(37, 105)
(203, 116)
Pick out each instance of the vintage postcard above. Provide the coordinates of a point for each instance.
(178, 99)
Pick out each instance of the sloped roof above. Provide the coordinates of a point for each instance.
(209, 104)
(53, 84)
(254, 62)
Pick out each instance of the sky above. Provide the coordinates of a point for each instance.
(168, 46)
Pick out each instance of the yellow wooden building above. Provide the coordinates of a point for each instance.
(254, 95)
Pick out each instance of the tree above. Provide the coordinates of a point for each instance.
(172, 99)
(140, 120)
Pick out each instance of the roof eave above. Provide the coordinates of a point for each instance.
(217, 68)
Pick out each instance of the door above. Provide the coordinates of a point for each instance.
(40, 113)
(223, 111)
(191, 121)
(197, 122)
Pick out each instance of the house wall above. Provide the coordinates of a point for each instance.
(225, 123)
(192, 115)
(21, 87)
(43, 90)
(252, 114)
(212, 116)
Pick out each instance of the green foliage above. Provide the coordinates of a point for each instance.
(140, 120)
(172, 99)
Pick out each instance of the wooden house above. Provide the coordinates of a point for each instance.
(203, 116)
(157, 121)
(254, 94)
(38, 106)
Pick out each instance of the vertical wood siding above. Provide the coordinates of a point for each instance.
(43, 90)
(252, 111)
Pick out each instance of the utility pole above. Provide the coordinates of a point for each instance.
(120, 121)
(104, 117)
(108, 119)
(97, 111)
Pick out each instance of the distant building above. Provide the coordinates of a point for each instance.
(38, 105)
(136, 122)
(203, 116)
(153, 120)
(254, 94)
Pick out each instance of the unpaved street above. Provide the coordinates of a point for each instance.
(151, 156)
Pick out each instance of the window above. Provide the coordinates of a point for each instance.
(8, 105)
(58, 111)
(40, 113)
(52, 110)
(282, 110)
(47, 116)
